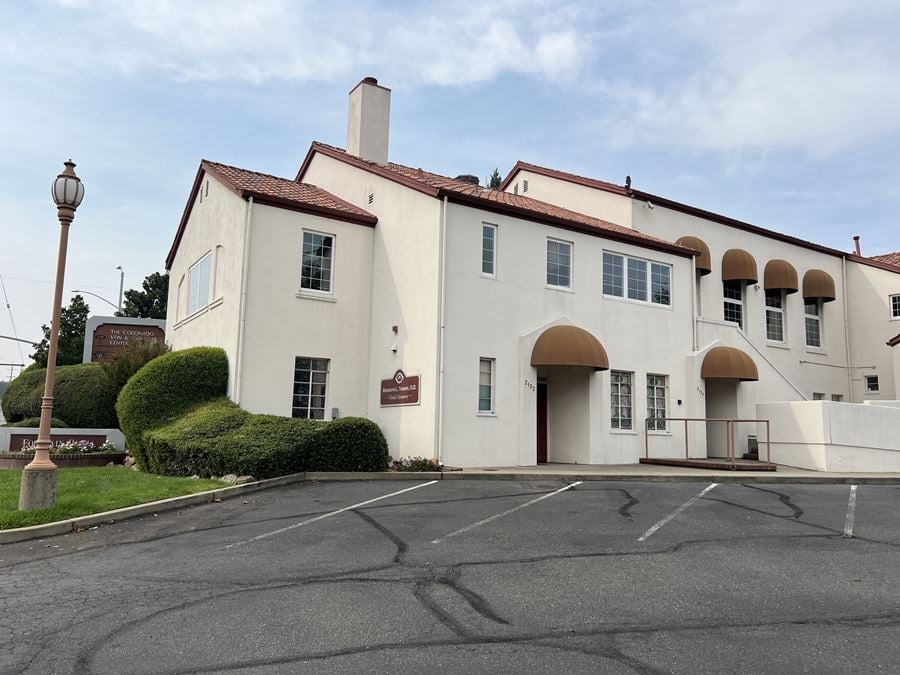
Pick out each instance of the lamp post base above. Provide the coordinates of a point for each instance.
(38, 489)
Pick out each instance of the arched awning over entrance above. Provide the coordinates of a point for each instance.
(569, 346)
(728, 363)
(704, 262)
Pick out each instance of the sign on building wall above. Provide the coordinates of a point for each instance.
(401, 389)
(105, 336)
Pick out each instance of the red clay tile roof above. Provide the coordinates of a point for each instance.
(272, 190)
(888, 258)
(496, 200)
(562, 175)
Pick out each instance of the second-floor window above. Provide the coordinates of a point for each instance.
(733, 292)
(813, 319)
(198, 284)
(559, 263)
(316, 267)
(489, 250)
(636, 279)
(775, 315)
(895, 306)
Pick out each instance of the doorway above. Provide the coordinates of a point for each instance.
(542, 422)
(721, 403)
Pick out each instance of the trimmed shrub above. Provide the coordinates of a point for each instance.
(35, 422)
(134, 356)
(166, 388)
(83, 396)
(349, 444)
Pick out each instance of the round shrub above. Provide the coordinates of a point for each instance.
(83, 396)
(349, 444)
(166, 388)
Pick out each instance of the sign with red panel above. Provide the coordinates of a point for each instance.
(110, 338)
(401, 389)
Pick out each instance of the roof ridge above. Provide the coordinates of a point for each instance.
(257, 173)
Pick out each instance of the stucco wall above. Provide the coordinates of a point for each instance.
(283, 322)
(404, 292)
(871, 325)
(216, 225)
(502, 317)
(590, 201)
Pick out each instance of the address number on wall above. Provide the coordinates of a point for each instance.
(530, 386)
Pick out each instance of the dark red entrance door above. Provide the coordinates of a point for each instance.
(542, 422)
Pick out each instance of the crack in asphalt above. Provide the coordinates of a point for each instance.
(784, 498)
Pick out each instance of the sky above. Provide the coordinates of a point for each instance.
(783, 114)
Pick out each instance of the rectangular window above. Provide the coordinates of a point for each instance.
(644, 281)
(316, 267)
(310, 383)
(733, 292)
(895, 306)
(559, 263)
(486, 385)
(871, 384)
(837, 397)
(198, 284)
(656, 401)
(818, 396)
(813, 319)
(775, 315)
(620, 399)
(488, 250)
(613, 275)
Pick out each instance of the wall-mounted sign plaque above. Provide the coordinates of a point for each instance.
(401, 389)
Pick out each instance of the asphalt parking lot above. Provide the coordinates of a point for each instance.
(470, 576)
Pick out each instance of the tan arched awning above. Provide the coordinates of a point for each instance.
(818, 284)
(703, 261)
(780, 275)
(728, 363)
(569, 346)
(738, 265)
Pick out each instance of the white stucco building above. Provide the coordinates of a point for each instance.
(545, 321)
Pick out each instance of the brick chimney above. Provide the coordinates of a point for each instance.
(368, 121)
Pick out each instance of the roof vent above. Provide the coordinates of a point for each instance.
(371, 197)
(468, 178)
(516, 189)
(525, 185)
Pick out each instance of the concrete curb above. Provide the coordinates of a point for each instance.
(84, 522)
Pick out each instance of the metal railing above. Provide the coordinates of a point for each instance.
(730, 425)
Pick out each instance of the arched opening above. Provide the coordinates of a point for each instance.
(724, 368)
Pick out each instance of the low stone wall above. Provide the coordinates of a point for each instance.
(15, 438)
(15, 460)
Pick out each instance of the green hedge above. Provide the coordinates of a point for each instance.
(35, 422)
(83, 396)
(165, 389)
(178, 422)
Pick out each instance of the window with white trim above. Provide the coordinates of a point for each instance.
(198, 284)
(559, 263)
(812, 311)
(621, 399)
(485, 385)
(733, 292)
(637, 279)
(775, 315)
(488, 250)
(895, 306)
(871, 384)
(818, 396)
(657, 386)
(316, 267)
(310, 387)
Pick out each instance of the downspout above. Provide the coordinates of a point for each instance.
(439, 421)
(846, 324)
(242, 311)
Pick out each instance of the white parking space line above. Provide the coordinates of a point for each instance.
(674, 513)
(851, 512)
(329, 515)
(468, 528)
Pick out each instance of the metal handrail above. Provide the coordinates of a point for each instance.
(730, 425)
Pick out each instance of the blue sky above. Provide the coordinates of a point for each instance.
(783, 114)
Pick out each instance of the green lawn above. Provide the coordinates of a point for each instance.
(84, 491)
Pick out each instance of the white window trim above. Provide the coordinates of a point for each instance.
(619, 429)
(666, 431)
(571, 287)
(493, 411)
(819, 348)
(624, 297)
(325, 410)
(742, 303)
(780, 310)
(891, 306)
(311, 292)
(496, 230)
(866, 390)
(187, 305)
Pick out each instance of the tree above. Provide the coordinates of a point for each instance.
(495, 180)
(151, 302)
(70, 349)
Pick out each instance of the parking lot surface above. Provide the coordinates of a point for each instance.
(470, 576)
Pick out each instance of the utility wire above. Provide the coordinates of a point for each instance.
(11, 319)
